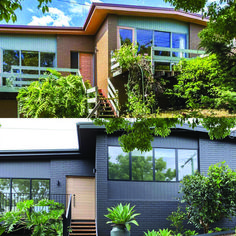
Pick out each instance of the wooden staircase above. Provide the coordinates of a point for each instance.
(105, 109)
(83, 228)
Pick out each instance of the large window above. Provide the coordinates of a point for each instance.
(179, 41)
(142, 166)
(125, 36)
(118, 163)
(14, 190)
(26, 58)
(160, 164)
(144, 41)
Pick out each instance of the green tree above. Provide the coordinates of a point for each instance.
(138, 133)
(210, 198)
(8, 8)
(203, 83)
(54, 97)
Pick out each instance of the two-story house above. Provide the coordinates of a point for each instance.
(99, 175)
(27, 51)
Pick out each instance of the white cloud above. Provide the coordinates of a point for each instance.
(54, 17)
(30, 10)
(91, 1)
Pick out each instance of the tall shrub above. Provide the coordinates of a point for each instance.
(210, 198)
(53, 97)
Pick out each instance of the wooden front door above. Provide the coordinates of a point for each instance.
(86, 66)
(83, 203)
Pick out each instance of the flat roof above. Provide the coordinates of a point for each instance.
(98, 13)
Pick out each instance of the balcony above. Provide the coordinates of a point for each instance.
(162, 59)
(21, 76)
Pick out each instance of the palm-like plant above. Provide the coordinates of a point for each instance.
(122, 215)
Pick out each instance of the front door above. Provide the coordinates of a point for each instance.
(83, 203)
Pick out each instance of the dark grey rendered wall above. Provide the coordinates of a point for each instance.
(154, 200)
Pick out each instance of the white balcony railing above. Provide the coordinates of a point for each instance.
(21, 76)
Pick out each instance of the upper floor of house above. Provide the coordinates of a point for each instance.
(26, 52)
(163, 33)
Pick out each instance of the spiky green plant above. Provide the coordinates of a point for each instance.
(151, 233)
(122, 215)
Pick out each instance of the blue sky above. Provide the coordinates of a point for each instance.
(68, 12)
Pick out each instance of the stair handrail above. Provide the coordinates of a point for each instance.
(113, 97)
(95, 109)
(67, 218)
(94, 100)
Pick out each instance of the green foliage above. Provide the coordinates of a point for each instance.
(205, 84)
(177, 218)
(161, 232)
(122, 214)
(47, 221)
(151, 233)
(8, 8)
(210, 198)
(55, 97)
(139, 133)
(140, 84)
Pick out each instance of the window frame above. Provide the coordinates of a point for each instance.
(153, 157)
(12, 178)
(118, 35)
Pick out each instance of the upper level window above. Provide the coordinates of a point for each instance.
(165, 169)
(187, 163)
(179, 41)
(10, 58)
(162, 39)
(160, 164)
(144, 41)
(126, 36)
(118, 163)
(142, 166)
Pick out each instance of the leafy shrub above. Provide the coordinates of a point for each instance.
(54, 97)
(122, 215)
(47, 221)
(161, 232)
(177, 218)
(210, 198)
(203, 83)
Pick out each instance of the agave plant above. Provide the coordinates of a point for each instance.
(122, 215)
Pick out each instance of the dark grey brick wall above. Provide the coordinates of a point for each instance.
(155, 201)
(25, 169)
(59, 169)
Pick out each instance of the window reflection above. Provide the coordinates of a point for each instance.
(142, 166)
(118, 163)
(165, 165)
(161, 165)
(179, 41)
(144, 41)
(126, 36)
(47, 59)
(187, 163)
(10, 58)
(161, 39)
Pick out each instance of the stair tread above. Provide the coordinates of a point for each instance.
(83, 230)
(83, 223)
(83, 226)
